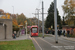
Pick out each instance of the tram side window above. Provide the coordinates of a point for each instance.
(34, 30)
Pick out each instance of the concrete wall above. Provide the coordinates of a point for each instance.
(8, 23)
(2, 32)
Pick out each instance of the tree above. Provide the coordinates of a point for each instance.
(21, 18)
(69, 12)
(8, 16)
(63, 22)
(15, 24)
(50, 17)
(3, 17)
(69, 7)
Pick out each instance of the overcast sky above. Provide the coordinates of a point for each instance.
(28, 6)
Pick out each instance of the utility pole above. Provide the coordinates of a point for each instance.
(38, 19)
(35, 16)
(55, 20)
(42, 19)
(35, 19)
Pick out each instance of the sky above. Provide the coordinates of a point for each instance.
(27, 7)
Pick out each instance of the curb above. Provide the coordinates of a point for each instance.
(71, 39)
(67, 38)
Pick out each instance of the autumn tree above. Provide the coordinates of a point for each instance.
(69, 7)
(21, 18)
(69, 11)
(5, 16)
(15, 24)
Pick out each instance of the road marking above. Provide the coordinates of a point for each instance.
(37, 44)
(66, 40)
(30, 37)
(58, 40)
(48, 43)
(71, 41)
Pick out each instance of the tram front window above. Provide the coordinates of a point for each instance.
(34, 30)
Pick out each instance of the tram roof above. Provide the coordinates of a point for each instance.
(34, 26)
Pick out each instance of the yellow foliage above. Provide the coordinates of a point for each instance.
(25, 21)
(8, 15)
(15, 22)
(3, 17)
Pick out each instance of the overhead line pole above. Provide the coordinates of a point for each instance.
(42, 19)
(38, 19)
(35, 16)
(55, 20)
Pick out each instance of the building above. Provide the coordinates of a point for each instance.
(5, 29)
(5, 25)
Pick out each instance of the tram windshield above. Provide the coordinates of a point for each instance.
(34, 30)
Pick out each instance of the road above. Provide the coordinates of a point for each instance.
(48, 43)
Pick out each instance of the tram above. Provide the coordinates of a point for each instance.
(34, 31)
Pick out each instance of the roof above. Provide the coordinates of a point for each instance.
(34, 26)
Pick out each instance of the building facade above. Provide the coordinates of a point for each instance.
(5, 29)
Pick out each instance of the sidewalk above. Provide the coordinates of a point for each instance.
(67, 38)
(21, 37)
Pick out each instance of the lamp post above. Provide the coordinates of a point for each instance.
(13, 11)
(26, 29)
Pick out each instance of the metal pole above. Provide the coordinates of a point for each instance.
(55, 20)
(38, 19)
(13, 11)
(42, 19)
(26, 30)
(35, 19)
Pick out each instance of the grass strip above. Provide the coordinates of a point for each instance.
(17, 45)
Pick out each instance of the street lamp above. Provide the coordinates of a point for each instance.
(13, 11)
(26, 29)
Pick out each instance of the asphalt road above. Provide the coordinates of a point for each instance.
(48, 43)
